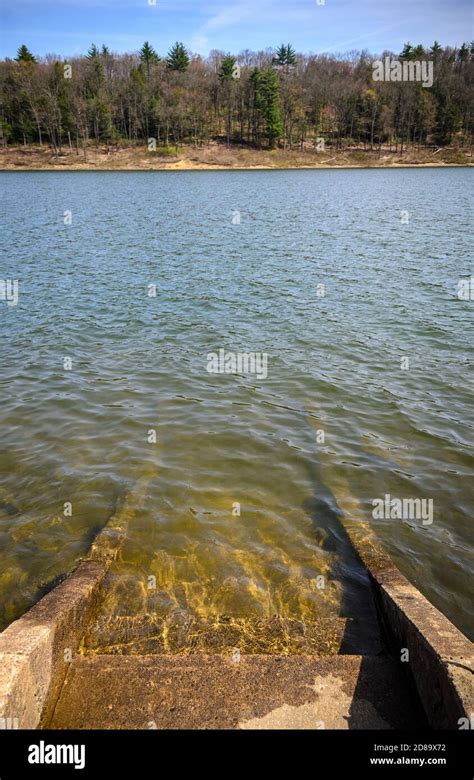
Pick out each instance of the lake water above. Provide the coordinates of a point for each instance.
(318, 270)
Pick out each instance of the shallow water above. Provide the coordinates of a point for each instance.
(237, 259)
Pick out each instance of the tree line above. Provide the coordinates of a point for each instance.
(262, 99)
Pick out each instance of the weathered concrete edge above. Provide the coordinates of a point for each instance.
(440, 658)
(35, 650)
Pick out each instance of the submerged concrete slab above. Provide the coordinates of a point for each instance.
(258, 692)
(182, 633)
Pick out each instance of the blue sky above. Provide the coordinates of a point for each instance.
(68, 27)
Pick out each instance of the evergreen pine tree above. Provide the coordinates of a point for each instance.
(285, 55)
(464, 53)
(148, 55)
(407, 53)
(226, 70)
(226, 76)
(177, 58)
(266, 89)
(93, 52)
(24, 55)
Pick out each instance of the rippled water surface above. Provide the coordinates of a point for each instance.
(246, 281)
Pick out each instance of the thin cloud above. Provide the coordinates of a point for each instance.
(351, 41)
(236, 14)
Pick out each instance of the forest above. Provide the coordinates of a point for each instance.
(267, 99)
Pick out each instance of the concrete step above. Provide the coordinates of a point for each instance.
(259, 692)
(184, 634)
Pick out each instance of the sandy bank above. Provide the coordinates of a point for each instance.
(219, 157)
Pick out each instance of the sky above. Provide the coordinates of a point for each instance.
(68, 27)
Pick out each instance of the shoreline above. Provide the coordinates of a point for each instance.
(197, 168)
(215, 157)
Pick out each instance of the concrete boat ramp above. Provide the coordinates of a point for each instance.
(54, 673)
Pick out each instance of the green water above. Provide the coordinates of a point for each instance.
(243, 282)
